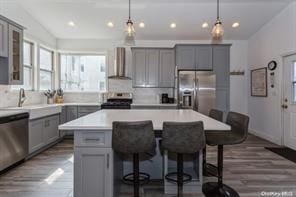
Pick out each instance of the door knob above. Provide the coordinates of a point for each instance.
(286, 100)
(285, 106)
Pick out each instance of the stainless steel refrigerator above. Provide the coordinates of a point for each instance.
(196, 90)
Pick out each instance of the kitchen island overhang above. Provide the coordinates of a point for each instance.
(98, 170)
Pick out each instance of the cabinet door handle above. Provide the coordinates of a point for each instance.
(108, 161)
(92, 139)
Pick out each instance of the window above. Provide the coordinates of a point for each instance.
(294, 82)
(83, 72)
(46, 69)
(28, 51)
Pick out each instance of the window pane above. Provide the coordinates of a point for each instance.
(27, 54)
(294, 71)
(83, 72)
(45, 59)
(294, 92)
(45, 80)
(27, 78)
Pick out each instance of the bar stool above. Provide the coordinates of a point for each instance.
(134, 138)
(182, 138)
(239, 132)
(209, 169)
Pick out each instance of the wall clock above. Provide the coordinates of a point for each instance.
(272, 65)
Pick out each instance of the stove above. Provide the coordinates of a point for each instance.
(118, 101)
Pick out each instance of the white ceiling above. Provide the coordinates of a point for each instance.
(91, 17)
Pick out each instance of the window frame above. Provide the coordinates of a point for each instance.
(293, 82)
(30, 67)
(52, 71)
(83, 54)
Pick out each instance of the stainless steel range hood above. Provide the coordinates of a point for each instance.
(119, 65)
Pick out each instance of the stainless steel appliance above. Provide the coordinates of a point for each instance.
(119, 65)
(13, 137)
(197, 90)
(118, 101)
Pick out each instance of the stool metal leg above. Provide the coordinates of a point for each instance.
(180, 174)
(136, 175)
(218, 189)
(220, 165)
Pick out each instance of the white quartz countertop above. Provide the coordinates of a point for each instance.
(42, 110)
(102, 120)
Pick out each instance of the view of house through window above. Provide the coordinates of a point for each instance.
(46, 69)
(83, 72)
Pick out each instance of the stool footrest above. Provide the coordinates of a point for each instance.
(170, 177)
(211, 170)
(128, 179)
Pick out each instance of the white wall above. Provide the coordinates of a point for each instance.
(238, 61)
(270, 43)
(34, 31)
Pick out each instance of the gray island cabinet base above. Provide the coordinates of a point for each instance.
(98, 170)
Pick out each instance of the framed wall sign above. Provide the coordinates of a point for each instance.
(259, 82)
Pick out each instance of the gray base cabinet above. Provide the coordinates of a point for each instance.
(93, 164)
(43, 132)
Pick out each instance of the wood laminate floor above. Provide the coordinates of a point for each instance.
(249, 168)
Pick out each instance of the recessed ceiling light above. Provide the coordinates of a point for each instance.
(71, 23)
(141, 24)
(173, 25)
(234, 25)
(205, 25)
(110, 24)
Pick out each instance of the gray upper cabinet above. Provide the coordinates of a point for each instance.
(3, 38)
(194, 57)
(185, 57)
(11, 52)
(139, 67)
(204, 57)
(167, 68)
(152, 68)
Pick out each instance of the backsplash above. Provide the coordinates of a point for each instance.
(140, 95)
(9, 98)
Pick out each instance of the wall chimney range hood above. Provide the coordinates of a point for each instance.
(119, 65)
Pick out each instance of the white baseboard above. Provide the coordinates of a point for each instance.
(266, 137)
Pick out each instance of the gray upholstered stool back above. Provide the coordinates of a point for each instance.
(239, 124)
(183, 137)
(133, 137)
(216, 114)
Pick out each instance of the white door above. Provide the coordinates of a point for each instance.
(289, 101)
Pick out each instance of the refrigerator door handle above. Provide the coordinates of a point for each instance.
(196, 93)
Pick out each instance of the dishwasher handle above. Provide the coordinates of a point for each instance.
(12, 118)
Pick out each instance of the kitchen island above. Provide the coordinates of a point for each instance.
(97, 169)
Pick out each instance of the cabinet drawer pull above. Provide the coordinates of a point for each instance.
(108, 162)
(92, 139)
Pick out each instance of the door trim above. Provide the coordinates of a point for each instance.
(282, 94)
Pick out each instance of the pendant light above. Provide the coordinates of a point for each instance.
(218, 31)
(130, 30)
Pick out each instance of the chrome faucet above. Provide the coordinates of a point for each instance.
(22, 97)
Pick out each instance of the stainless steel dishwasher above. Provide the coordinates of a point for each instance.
(13, 137)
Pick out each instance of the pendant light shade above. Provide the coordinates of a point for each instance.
(130, 30)
(218, 31)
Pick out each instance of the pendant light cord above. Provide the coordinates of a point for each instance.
(129, 9)
(218, 10)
